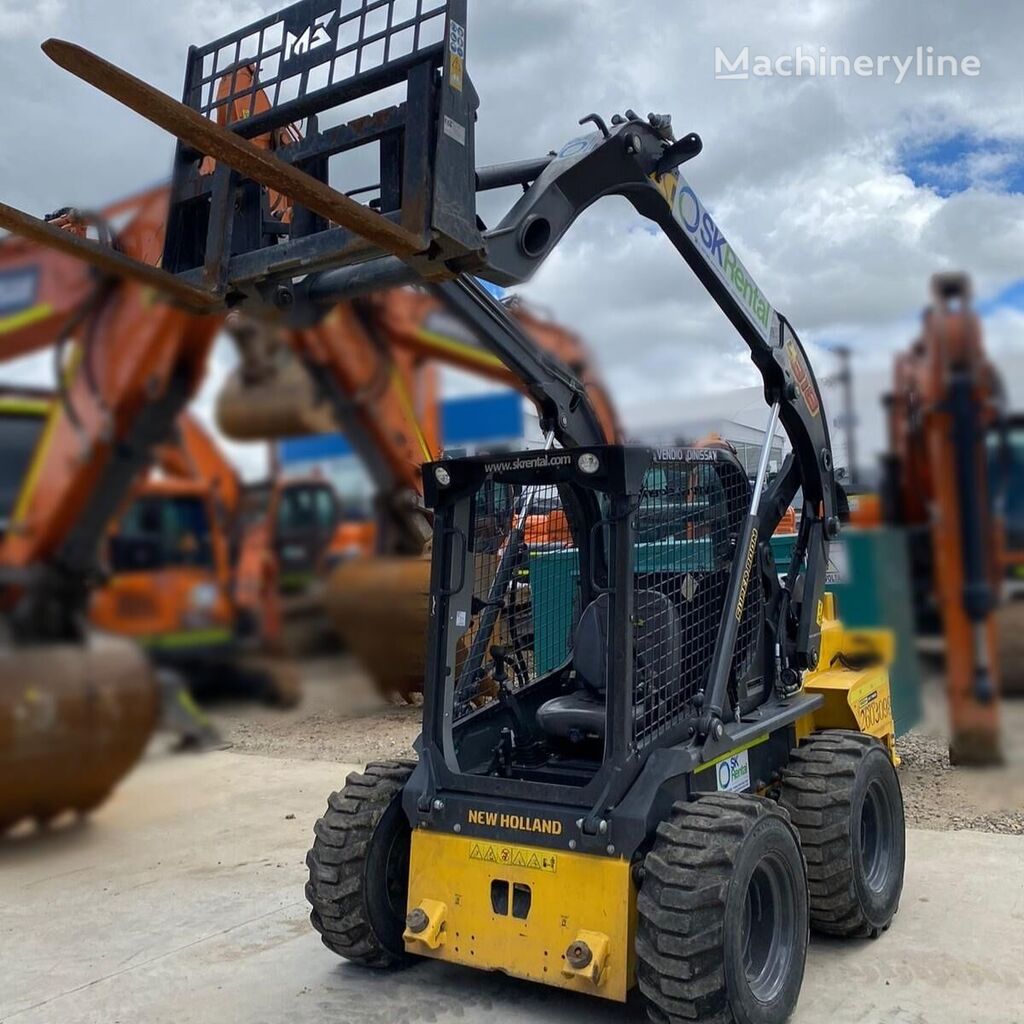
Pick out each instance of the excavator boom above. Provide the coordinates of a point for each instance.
(945, 404)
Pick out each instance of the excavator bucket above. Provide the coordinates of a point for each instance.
(379, 606)
(270, 394)
(73, 723)
(283, 403)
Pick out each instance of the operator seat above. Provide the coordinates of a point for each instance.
(657, 663)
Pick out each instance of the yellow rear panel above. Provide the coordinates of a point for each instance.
(571, 898)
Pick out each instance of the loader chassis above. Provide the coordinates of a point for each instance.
(517, 821)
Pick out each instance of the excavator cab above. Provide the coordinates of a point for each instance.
(307, 515)
(168, 585)
(23, 420)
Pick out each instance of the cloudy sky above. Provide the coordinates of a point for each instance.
(842, 194)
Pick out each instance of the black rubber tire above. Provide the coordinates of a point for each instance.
(359, 867)
(844, 797)
(701, 929)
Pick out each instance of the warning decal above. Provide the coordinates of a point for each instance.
(514, 856)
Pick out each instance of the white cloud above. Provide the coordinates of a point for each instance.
(18, 20)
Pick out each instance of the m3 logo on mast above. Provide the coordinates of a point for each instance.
(312, 37)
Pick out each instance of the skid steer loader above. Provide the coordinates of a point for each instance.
(650, 757)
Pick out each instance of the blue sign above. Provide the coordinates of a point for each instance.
(473, 420)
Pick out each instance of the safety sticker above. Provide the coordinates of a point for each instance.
(454, 130)
(514, 856)
(457, 48)
(838, 570)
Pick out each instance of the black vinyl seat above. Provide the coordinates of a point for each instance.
(657, 656)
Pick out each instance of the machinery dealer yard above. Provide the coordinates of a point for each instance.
(511, 527)
(181, 900)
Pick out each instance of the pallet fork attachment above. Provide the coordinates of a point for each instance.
(225, 145)
(108, 260)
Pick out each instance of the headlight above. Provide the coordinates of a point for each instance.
(203, 597)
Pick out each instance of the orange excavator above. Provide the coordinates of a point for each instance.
(76, 709)
(174, 561)
(945, 413)
(168, 555)
(75, 713)
(379, 604)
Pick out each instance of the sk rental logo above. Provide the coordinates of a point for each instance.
(719, 255)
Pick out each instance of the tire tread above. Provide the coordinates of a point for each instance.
(336, 862)
(682, 903)
(817, 791)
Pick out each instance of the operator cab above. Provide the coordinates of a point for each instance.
(167, 526)
(21, 427)
(523, 636)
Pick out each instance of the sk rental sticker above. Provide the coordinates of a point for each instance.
(733, 774)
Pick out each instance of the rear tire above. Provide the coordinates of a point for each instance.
(722, 914)
(844, 797)
(359, 867)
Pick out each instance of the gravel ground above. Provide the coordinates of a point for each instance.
(341, 718)
(939, 796)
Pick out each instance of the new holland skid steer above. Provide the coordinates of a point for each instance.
(650, 757)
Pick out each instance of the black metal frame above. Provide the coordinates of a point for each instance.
(221, 234)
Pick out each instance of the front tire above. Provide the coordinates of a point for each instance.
(722, 914)
(844, 797)
(359, 867)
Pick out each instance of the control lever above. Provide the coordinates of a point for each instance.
(499, 655)
(523, 733)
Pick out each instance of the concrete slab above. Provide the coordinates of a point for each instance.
(182, 902)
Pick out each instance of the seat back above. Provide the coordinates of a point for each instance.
(590, 646)
(657, 645)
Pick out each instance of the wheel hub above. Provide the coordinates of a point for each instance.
(768, 922)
